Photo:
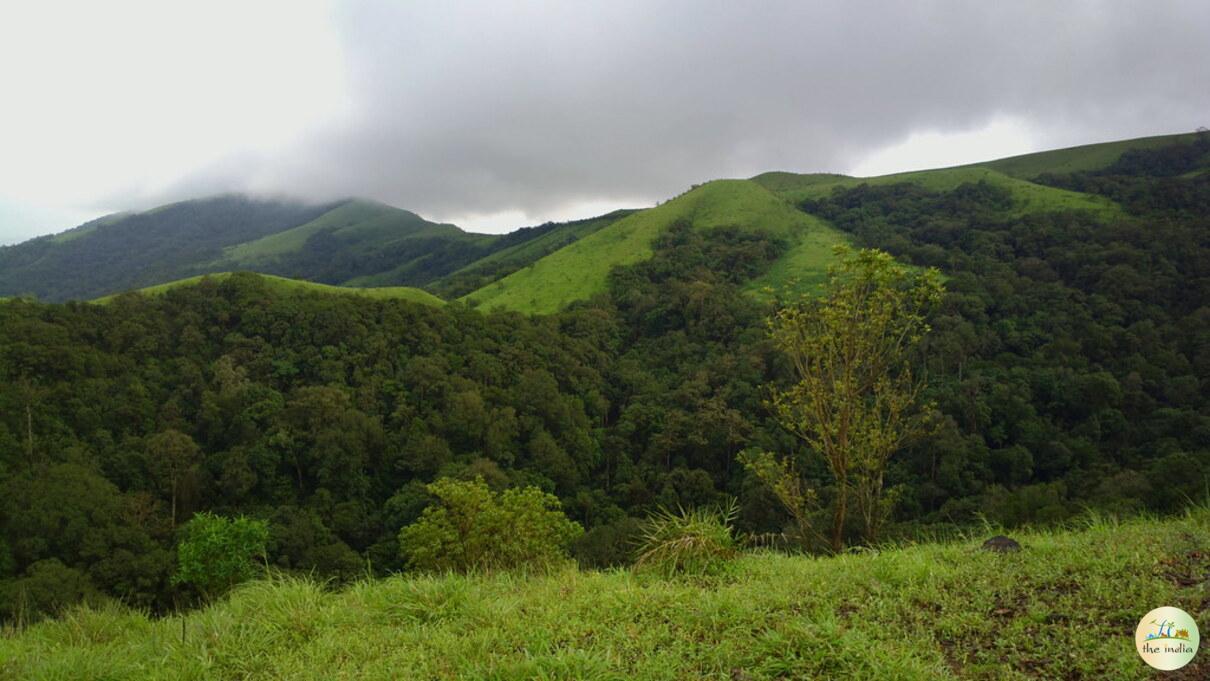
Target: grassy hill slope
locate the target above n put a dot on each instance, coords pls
(1027, 196)
(1085, 157)
(580, 270)
(287, 286)
(1066, 606)
(518, 249)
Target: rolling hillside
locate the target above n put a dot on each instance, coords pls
(768, 202)
(286, 286)
(362, 243)
(581, 269)
(126, 251)
(550, 238)
(1028, 197)
(1086, 157)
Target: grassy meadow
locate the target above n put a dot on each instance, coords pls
(284, 285)
(581, 269)
(1066, 607)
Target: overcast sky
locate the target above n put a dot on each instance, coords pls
(494, 115)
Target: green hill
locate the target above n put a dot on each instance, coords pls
(505, 261)
(580, 270)
(1066, 606)
(134, 250)
(287, 286)
(353, 242)
(1086, 157)
(1028, 197)
(362, 243)
(363, 221)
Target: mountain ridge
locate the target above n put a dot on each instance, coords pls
(358, 242)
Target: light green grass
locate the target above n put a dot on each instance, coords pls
(804, 267)
(537, 247)
(1064, 607)
(358, 220)
(284, 285)
(1086, 157)
(581, 269)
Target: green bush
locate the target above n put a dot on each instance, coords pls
(216, 553)
(473, 528)
(697, 541)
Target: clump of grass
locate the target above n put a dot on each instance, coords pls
(696, 541)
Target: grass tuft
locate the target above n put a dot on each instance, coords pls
(695, 542)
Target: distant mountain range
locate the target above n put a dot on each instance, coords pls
(362, 243)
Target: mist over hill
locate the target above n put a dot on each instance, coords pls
(358, 243)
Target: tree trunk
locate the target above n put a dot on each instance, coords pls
(29, 433)
(838, 517)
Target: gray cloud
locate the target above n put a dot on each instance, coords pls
(485, 107)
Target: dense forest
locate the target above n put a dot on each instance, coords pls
(1068, 362)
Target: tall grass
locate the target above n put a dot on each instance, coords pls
(1064, 607)
(695, 541)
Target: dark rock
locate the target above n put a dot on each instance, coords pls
(1001, 543)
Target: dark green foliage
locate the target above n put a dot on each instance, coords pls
(216, 553)
(1069, 357)
(47, 588)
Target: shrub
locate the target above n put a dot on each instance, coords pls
(608, 545)
(697, 541)
(216, 553)
(473, 528)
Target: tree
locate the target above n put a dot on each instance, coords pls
(172, 456)
(856, 399)
(216, 553)
(473, 528)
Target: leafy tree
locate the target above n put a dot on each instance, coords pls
(472, 528)
(216, 553)
(855, 399)
(172, 457)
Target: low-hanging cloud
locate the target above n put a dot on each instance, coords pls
(457, 108)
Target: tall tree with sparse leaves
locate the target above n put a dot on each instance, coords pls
(856, 400)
